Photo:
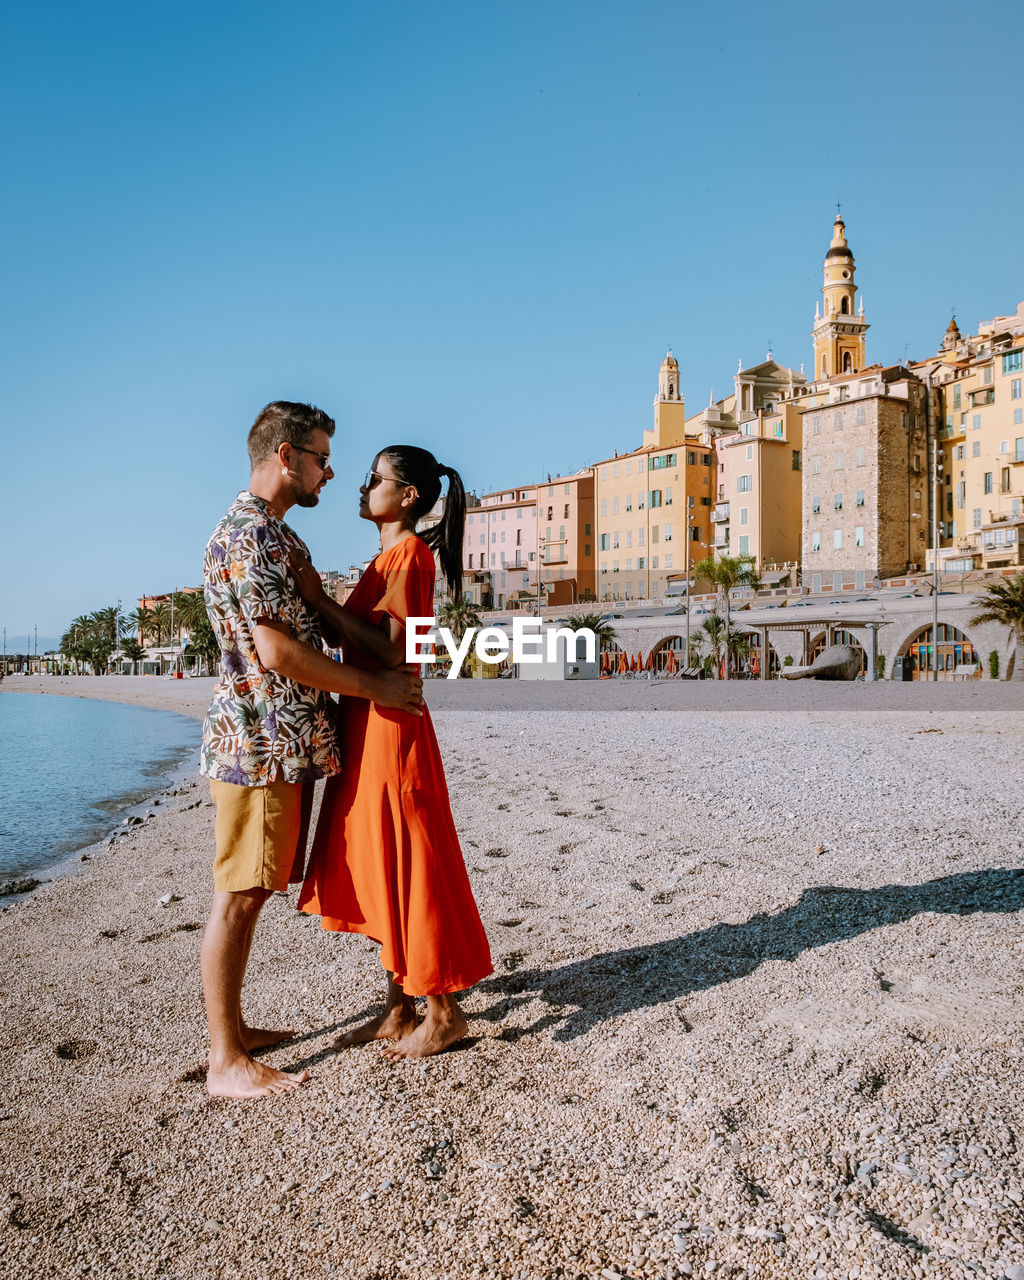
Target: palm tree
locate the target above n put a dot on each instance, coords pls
(140, 623)
(134, 652)
(601, 628)
(161, 621)
(1003, 603)
(458, 616)
(726, 573)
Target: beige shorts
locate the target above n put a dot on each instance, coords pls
(260, 835)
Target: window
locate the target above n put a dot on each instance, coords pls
(615, 472)
(960, 452)
(1018, 449)
(744, 544)
(615, 541)
(750, 451)
(641, 464)
(860, 456)
(565, 513)
(604, 473)
(816, 465)
(838, 463)
(1015, 389)
(667, 533)
(629, 565)
(975, 448)
(861, 416)
(987, 488)
(503, 535)
(629, 468)
(654, 562)
(1004, 446)
(629, 502)
(837, 502)
(858, 536)
(837, 417)
(796, 459)
(860, 497)
(654, 533)
(668, 562)
(815, 505)
(641, 562)
(586, 549)
(816, 426)
(615, 506)
(956, 396)
(655, 498)
(743, 484)
(976, 422)
(976, 518)
(816, 541)
(615, 566)
(668, 496)
(641, 537)
(629, 537)
(494, 537)
(567, 490)
(695, 534)
(961, 495)
(666, 460)
(744, 515)
(1004, 480)
(1018, 417)
(604, 506)
(1012, 361)
(837, 538)
(586, 530)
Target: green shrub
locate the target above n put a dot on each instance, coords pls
(993, 665)
(880, 667)
(787, 661)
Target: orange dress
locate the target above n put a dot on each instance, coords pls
(386, 859)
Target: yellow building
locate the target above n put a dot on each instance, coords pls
(981, 377)
(757, 509)
(653, 500)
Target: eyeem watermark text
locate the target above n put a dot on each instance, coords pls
(530, 642)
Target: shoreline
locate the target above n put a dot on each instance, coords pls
(756, 1003)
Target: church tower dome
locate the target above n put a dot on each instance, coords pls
(839, 330)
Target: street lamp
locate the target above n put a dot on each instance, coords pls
(936, 470)
(542, 545)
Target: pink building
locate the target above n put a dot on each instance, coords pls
(501, 541)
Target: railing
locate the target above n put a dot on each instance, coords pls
(720, 513)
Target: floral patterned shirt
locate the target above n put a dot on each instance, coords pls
(261, 726)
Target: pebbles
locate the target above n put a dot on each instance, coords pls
(712, 1085)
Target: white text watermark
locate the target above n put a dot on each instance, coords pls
(530, 641)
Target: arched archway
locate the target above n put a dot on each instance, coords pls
(955, 650)
(676, 645)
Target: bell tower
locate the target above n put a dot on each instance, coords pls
(669, 406)
(838, 333)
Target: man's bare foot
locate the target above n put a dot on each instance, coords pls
(262, 1037)
(434, 1034)
(393, 1024)
(244, 1078)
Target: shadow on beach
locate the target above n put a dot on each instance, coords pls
(587, 992)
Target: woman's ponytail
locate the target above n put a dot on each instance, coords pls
(415, 466)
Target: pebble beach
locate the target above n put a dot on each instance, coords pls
(757, 1011)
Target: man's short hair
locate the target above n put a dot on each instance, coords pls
(284, 420)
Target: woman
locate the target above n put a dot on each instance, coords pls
(386, 859)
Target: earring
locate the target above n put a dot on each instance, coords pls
(284, 471)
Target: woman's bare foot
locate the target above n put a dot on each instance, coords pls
(393, 1024)
(244, 1078)
(439, 1030)
(262, 1037)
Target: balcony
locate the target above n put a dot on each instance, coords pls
(720, 513)
(721, 539)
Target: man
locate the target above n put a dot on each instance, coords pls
(269, 733)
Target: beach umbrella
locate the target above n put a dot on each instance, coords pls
(670, 665)
(649, 664)
(755, 665)
(639, 661)
(623, 667)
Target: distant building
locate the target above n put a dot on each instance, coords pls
(981, 431)
(651, 500)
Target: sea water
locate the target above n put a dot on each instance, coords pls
(67, 765)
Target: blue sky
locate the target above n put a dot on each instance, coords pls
(472, 227)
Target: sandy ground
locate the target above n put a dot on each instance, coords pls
(756, 1012)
